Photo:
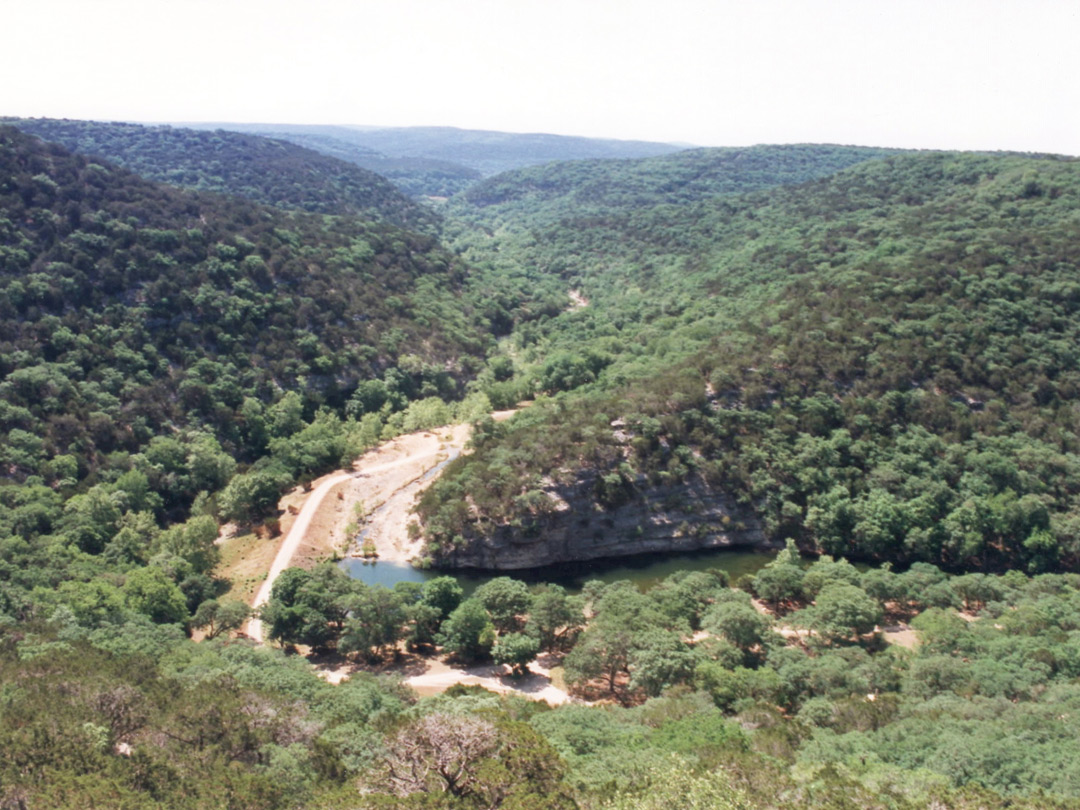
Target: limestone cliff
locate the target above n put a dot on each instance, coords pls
(683, 517)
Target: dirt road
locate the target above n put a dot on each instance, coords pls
(288, 548)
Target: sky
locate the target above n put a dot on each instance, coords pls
(941, 74)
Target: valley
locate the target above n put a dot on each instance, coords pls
(307, 475)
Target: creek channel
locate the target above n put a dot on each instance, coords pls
(644, 570)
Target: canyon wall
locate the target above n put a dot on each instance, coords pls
(683, 517)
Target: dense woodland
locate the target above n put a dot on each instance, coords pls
(881, 362)
(873, 350)
(544, 194)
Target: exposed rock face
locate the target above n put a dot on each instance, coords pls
(685, 517)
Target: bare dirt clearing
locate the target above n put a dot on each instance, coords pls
(536, 685)
(577, 300)
(900, 634)
(432, 676)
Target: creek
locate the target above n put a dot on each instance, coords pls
(644, 570)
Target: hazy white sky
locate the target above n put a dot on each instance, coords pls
(963, 74)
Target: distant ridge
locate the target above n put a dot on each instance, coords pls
(264, 170)
(441, 161)
(691, 175)
(486, 151)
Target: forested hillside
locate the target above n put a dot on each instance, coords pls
(553, 222)
(880, 363)
(261, 169)
(543, 194)
(145, 329)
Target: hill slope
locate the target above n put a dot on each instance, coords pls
(591, 187)
(556, 227)
(131, 309)
(878, 364)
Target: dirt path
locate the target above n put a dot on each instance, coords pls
(288, 548)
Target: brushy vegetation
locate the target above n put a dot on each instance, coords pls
(716, 703)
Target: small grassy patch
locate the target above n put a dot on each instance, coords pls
(557, 680)
(245, 559)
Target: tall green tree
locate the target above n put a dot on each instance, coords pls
(468, 631)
